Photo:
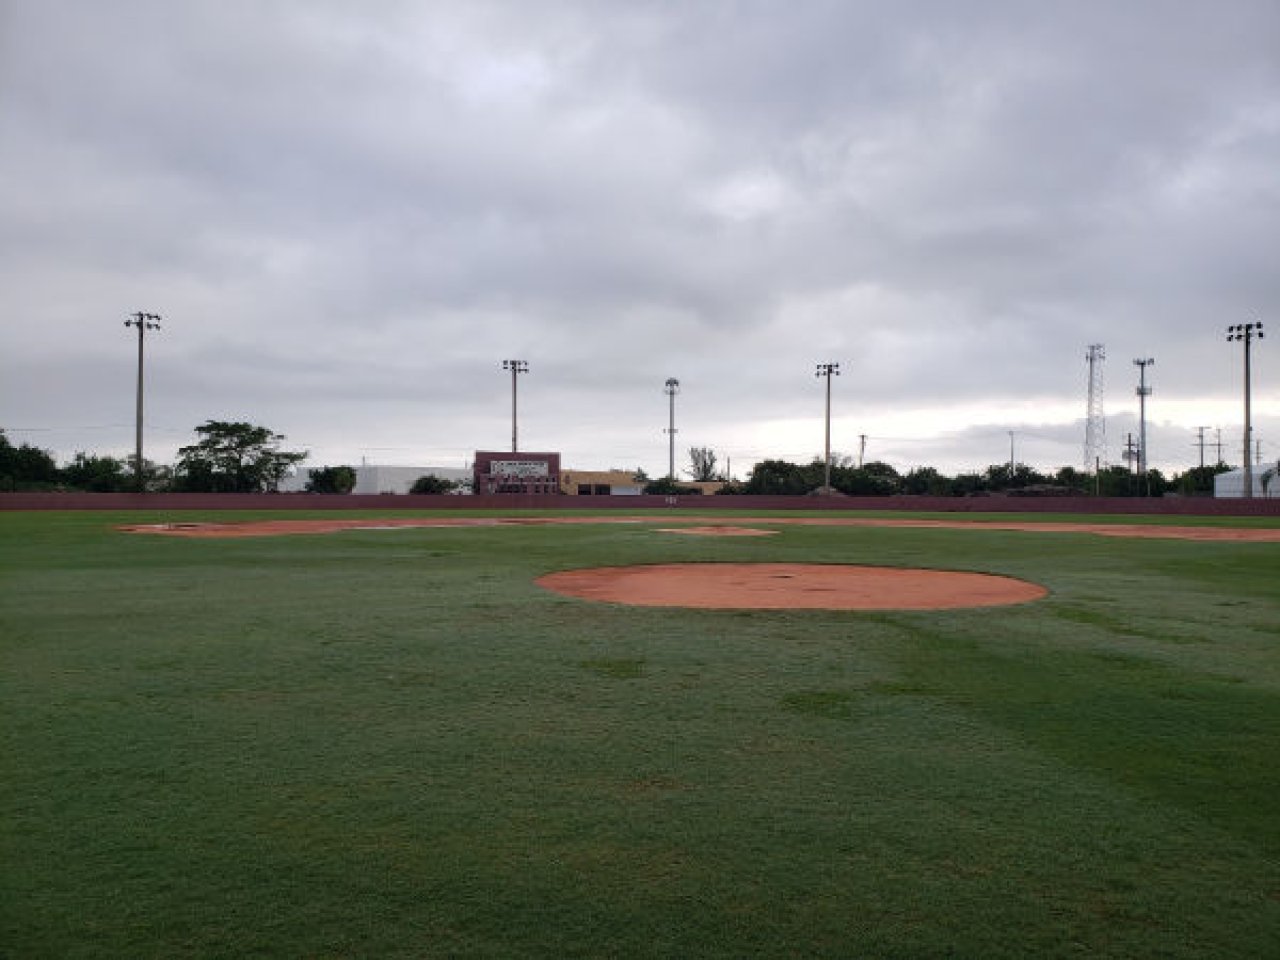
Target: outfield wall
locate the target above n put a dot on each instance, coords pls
(1168, 506)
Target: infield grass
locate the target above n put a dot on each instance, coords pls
(392, 743)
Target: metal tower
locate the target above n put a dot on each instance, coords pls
(1095, 424)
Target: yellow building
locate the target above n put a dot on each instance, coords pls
(705, 487)
(620, 483)
(583, 483)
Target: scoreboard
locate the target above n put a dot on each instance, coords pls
(509, 472)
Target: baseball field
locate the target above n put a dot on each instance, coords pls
(399, 740)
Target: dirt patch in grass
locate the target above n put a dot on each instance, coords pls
(718, 531)
(790, 586)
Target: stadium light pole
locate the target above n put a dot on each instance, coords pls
(672, 388)
(516, 367)
(144, 322)
(1143, 392)
(827, 370)
(1245, 333)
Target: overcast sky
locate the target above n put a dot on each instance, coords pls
(348, 214)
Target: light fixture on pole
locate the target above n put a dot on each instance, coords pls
(827, 370)
(672, 388)
(1143, 392)
(1246, 333)
(144, 322)
(516, 367)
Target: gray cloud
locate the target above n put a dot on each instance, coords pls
(348, 218)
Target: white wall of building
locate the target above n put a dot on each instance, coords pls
(1231, 483)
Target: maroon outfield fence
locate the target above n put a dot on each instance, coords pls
(1163, 506)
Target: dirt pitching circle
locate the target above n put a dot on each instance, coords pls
(790, 586)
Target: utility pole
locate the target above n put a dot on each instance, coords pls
(1143, 392)
(1218, 444)
(862, 449)
(1130, 452)
(672, 388)
(516, 367)
(1012, 461)
(1245, 333)
(827, 370)
(1200, 443)
(144, 322)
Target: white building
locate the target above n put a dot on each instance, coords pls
(372, 479)
(1266, 482)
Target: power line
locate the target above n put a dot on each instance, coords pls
(97, 426)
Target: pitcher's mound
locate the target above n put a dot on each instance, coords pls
(790, 586)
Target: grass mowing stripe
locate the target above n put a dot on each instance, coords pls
(397, 745)
(1205, 744)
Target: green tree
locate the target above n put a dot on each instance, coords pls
(1000, 477)
(331, 480)
(97, 474)
(1073, 479)
(234, 458)
(156, 477)
(1155, 485)
(702, 464)
(26, 467)
(926, 481)
(1198, 481)
(967, 484)
(433, 484)
(1117, 481)
(666, 487)
(780, 477)
(874, 479)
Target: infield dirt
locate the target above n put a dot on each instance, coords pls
(703, 525)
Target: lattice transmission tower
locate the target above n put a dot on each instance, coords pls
(1095, 424)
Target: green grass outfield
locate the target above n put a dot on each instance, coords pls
(392, 743)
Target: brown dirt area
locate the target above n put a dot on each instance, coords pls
(714, 531)
(751, 586)
(790, 586)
